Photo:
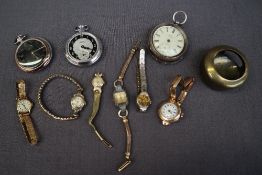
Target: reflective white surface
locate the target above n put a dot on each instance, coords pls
(24, 105)
(168, 41)
(169, 111)
(82, 47)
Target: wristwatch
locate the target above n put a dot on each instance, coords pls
(24, 106)
(97, 82)
(170, 110)
(143, 99)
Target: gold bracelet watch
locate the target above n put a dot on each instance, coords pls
(170, 110)
(97, 83)
(120, 98)
(24, 106)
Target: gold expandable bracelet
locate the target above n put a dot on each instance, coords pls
(77, 101)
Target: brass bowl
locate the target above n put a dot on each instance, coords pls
(222, 69)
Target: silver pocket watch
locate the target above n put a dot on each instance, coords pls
(168, 41)
(83, 48)
(33, 53)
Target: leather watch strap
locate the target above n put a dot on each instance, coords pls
(28, 128)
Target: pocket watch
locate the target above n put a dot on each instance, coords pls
(170, 110)
(168, 41)
(83, 48)
(32, 54)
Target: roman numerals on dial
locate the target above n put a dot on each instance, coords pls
(168, 41)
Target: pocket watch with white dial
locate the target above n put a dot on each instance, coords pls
(168, 41)
(83, 48)
(170, 110)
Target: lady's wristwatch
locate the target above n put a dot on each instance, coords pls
(24, 106)
(143, 99)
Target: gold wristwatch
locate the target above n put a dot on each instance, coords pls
(120, 98)
(143, 99)
(24, 107)
(170, 110)
(97, 83)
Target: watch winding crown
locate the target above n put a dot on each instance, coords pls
(81, 28)
(19, 39)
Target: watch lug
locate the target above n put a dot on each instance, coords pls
(165, 123)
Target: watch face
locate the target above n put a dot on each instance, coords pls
(78, 102)
(82, 47)
(168, 40)
(31, 53)
(143, 101)
(24, 106)
(169, 111)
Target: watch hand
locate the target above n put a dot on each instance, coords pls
(37, 50)
(85, 47)
(24, 106)
(34, 54)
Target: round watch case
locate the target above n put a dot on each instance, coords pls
(81, 32)
(24, 106)
(29, 60)
(169, 120)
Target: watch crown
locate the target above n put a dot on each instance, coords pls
(81, 28)
(19, 39)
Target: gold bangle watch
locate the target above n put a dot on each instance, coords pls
(24, 106)
(170, 110)
(97, 83)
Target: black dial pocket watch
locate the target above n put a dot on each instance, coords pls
(168, 41)
(83, 48)
(32, 54)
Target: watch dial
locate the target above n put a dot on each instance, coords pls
(31, 53)
(77, 102)
(82, 47)
(169, 111)
(168, 41)
(24, 105)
